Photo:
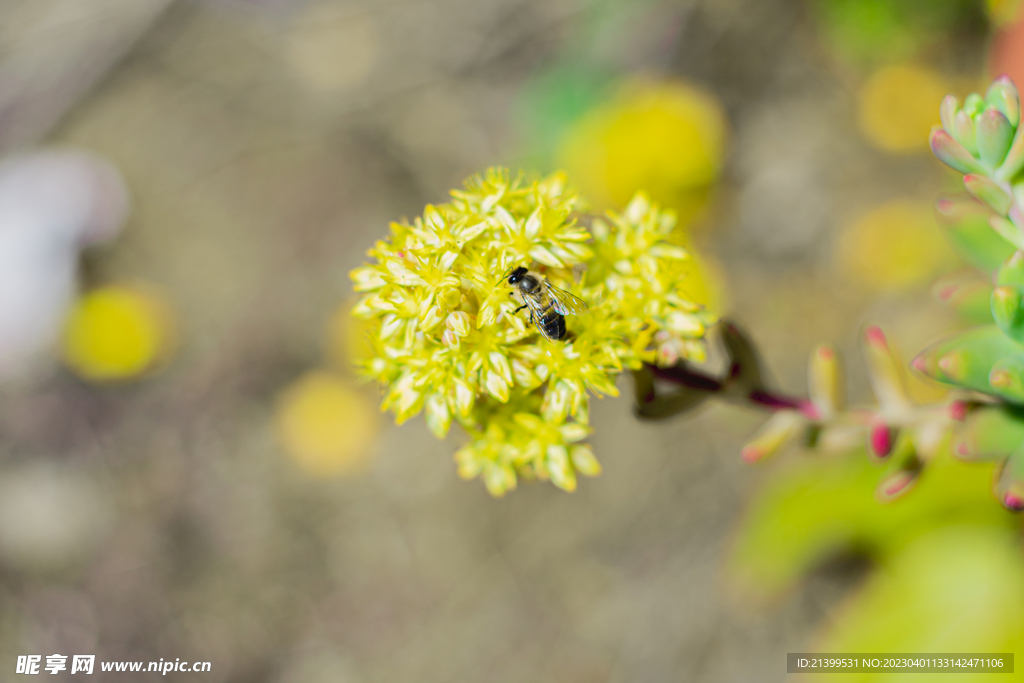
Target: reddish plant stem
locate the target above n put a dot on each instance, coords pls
(690, 378)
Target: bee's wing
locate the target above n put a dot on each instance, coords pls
(564, 302)
(534, 302)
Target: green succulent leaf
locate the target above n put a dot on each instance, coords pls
(1002, 95)
(987, 192)
(952, 153)
(1007, 230)
(1014, 160)
(974, 104)
(967, 359)
(988, 433)
(967, 230)
(1008, 312)
(1010, 483)
(1008, 297)
(993, 137)
(968, 293)
(964, 131)
(901, 472)
(947, 110)
(1007, 378)
(1011, 272)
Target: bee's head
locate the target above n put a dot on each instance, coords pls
(516, 275)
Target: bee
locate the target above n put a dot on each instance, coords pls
(548, 304)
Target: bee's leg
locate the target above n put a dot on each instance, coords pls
(521, 308)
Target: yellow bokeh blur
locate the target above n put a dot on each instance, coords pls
(667, 138)
(348, 337)
(1003, 12)
(326, 425)
(705, 282)
(117, 333)
(894, 246)
(898, 105)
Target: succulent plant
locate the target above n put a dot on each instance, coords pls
(982, 139)
(897, 432)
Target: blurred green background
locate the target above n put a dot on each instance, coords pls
(192, 471)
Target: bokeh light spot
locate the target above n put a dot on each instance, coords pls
(897, 109)
(116, 333)
(325, 424)
(894, 246)
(665, 137)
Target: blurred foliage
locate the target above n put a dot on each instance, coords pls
(891, 247)
(1003, 12)
(814, 509)
(118, 332)
(959, 588)
(866, 32)
(904, 431)
(555, 98)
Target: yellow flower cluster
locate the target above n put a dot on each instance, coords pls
(445, 339)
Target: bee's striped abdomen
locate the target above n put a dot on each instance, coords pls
(552, 323)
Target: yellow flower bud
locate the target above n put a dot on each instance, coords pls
(499, 479)
(432, 319)
(499, 364)
(439, 418)
(776, 432)
(555, 407)
(450, 339)
(497, 386)
(458, 322)
(825, 380)
(464, 396)
(684, 324)
(584, 461)
(560, 469)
